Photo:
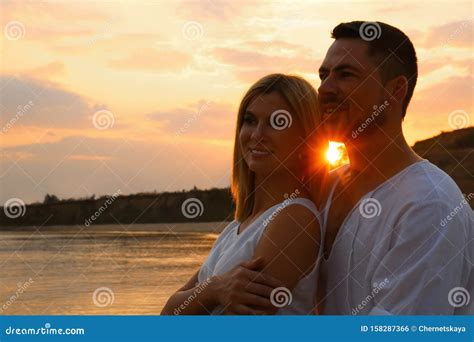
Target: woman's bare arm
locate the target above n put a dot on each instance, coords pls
(192, 299)
(290, 246)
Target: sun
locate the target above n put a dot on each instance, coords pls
(336, 154)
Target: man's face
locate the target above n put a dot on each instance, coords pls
(350, 88)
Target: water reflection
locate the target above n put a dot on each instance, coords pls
(141, 265)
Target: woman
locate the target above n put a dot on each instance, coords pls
(277, 164)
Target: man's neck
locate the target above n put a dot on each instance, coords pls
(380, 156)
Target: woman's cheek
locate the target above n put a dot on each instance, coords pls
(243, 137)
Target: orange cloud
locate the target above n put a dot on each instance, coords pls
(252, 65)
(87, 157)
(256, 60)
(444, 97)
(79, 166)
(433, 64)
(200, 120)
(213, 9)
(153, 60)
(456, 33)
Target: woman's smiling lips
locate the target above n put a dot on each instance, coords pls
(259, 152)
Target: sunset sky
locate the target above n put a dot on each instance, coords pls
(137, 96)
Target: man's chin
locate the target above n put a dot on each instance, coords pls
(336, 135)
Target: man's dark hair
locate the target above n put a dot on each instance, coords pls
(390, 48)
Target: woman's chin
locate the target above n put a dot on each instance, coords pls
(260, 169)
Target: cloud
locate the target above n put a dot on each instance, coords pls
(221, 10)
(203, 119)
(87, 157)
(80, 166)
(432, 64)
(279, 46)
(49, 22)
(62, 11)
(29, 101)
(444, 97)
(251, 65)
(398, 8)
(48, 71)
(153, 60)
(455, 33)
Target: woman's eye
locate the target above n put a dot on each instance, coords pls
(248, 119)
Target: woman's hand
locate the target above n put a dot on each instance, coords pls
(245, 290)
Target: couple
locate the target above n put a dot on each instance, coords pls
(389, 234)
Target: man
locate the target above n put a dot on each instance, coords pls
(399, 233)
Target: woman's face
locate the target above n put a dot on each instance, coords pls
(270, 136)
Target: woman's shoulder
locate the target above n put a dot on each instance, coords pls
(225, 232)
(295, 215)
(229, 227)
(302, 209)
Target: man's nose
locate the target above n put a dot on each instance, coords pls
(328, 86)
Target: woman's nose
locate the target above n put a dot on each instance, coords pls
(258, 132)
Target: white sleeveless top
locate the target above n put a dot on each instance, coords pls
(230, 249)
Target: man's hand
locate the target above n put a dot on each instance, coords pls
(246, 290)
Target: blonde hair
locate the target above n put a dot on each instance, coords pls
(302, 98)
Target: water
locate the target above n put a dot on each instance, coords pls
(131, 269)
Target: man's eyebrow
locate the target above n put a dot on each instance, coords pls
(340, 67)
(323, 69)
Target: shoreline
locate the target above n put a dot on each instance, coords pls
(191, 227)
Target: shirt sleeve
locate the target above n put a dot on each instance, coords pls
(426, 260)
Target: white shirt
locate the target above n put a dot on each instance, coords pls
(230, 249)
(405, 249)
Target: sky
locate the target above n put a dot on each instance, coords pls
(141, 96)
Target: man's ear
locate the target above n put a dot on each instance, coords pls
(397, 88)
